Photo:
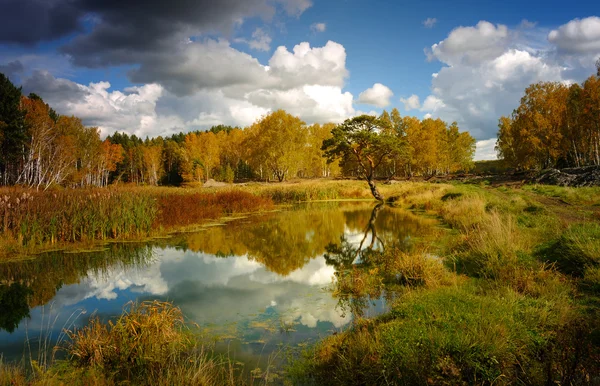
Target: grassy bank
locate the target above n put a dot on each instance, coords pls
(510, 298)
(31, 221)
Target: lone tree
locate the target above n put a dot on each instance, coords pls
(361, 142)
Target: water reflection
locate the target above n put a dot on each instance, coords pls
(13, 303)
(357, 258)
(250, 279)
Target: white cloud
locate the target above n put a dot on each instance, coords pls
(318, 27)
(231, 87)
(579, 36)
(411, 103)
(379, 95)
(487, 68)
(305, 65)
(527, 24)
(485, 150)
(471, 45)
(430, 22)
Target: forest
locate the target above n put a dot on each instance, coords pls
(555, 125)
(41, 148)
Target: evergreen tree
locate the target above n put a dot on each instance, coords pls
(13, 133)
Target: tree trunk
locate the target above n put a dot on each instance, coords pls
(374, 190)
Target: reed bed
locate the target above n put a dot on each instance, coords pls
(31, 219)
(188, 209)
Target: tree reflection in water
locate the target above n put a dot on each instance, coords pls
(13, 304)
(364, 268)
(31, 283)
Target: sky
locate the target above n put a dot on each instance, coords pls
(155, 67)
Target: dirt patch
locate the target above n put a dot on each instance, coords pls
(214, 184)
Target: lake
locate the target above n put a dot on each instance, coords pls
(256, 285)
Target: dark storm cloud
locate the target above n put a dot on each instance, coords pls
(53, 90)
(11, 69)
(152, 35)
(140, 27)
(123, 29)
(31, 21)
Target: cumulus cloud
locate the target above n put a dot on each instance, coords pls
(120, 31)
(471, 45)
(232, 88)
(477, 95)
(579, 36)
(485, 150)
(30, 21)
(318, 27)
(379, 95)
(201, 65)
(411, 103)
(430, 22)
(305, 65)
(11, 69)
(56, 90)
(487, 68)
(527, 24)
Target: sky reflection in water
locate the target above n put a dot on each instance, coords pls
(260, 281)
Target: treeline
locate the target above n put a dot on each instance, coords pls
(556, 125)
(41, 148)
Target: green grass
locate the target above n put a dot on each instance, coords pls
(451, 335)
(510, 315)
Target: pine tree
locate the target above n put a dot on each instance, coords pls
(13, 133)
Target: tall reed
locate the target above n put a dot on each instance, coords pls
(30, 218)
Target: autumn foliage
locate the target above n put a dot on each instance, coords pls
(42, 149)
(556, 125)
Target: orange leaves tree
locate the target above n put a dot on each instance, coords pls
(555, 125)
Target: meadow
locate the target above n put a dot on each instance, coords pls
(509, 293)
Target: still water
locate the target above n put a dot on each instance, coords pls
(254, 284)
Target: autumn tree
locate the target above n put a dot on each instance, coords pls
(314, 164)
(361, 140)
(202, 154)
(458, 150)
(153, 165)
(277, 142)
(554, 126)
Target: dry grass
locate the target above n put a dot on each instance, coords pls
(31, 220)
(148, 344)
(176, 210)
(146, 337)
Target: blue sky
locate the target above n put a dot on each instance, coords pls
(156, 68)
